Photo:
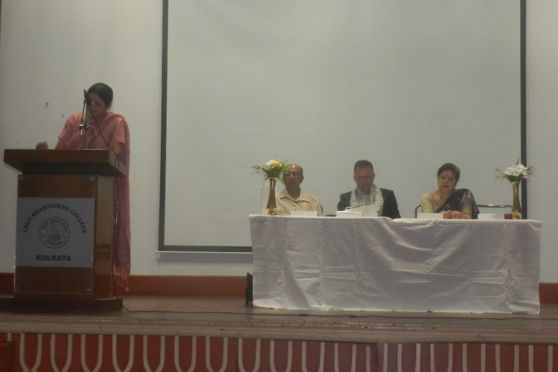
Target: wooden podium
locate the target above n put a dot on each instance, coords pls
(65, 223)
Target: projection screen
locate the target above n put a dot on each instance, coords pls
(408, 85)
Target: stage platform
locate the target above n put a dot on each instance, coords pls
(222, 333)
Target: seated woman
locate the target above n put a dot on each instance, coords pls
(447, 200)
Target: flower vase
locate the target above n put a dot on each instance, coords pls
(271, 203)
(516, 204)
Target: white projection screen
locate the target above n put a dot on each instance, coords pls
(408, 85)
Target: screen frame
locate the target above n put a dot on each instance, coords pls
(162, 247)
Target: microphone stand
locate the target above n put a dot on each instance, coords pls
(84, 125)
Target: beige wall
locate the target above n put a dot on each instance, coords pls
(542, 124)
(36, 95)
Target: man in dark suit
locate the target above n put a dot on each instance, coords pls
(366, 196)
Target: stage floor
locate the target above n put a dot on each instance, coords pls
(230, 317)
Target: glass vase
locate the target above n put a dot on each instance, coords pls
(516, 204)
(271, 206)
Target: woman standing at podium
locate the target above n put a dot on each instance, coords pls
(98, 128)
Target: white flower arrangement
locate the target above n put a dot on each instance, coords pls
(516, 172)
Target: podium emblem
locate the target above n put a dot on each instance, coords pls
(54, 232)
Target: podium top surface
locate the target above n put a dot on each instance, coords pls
(101, 162)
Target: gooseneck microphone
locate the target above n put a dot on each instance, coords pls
(84, 125)
(86, 98)
(90, 121)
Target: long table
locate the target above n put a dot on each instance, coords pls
(379, 264)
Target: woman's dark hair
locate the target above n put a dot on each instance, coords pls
(452, 168)
(103, 91)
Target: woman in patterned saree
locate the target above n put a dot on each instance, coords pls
(451, 202)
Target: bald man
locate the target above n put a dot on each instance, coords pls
(292, 198)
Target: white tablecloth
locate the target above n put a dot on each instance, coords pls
(404, 265)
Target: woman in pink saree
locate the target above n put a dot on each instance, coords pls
(106, 129)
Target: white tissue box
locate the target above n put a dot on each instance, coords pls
(348, 213)
(490, 216)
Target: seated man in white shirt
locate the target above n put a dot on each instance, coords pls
(292, 198)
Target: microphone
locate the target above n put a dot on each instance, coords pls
(83, 128)
(86, 99)
(84, 125)
(86, 115)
